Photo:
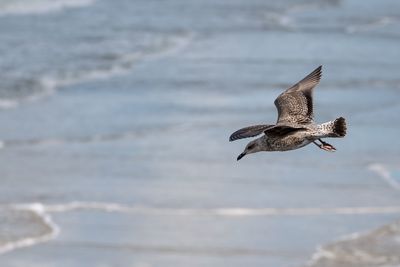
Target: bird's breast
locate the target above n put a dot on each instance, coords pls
(288, 142)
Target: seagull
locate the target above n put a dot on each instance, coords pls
(295, 127)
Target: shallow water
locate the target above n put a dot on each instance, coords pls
(115, 119)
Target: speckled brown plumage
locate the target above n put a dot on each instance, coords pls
(295, 126)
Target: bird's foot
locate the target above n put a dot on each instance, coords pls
(328, 147)
(325, 146)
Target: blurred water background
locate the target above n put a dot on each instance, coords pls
(115, 117)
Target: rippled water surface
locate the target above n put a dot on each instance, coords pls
(115, 121)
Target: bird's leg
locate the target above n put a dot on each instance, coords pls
(318, 145)
(325, 146)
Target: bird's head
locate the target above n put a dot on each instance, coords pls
(252, 147)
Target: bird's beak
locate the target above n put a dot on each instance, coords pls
(241, 156)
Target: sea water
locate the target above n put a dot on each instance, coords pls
(115, 118)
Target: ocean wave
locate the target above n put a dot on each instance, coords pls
(142, 131)
(384, 173)
(225, 212)
(44, 211)
(47, 85)
(69, 140)
(122, 64)
(278, 20)
(228, 212)
(379, 247)
(8, 103)
(182, 249)
(372, 25)
(13, 90)
(119, 64)
(24, 7)
(45, 219)
(284, 19)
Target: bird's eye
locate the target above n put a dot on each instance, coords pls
(250, 147)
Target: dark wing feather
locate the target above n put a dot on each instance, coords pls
(281, 130)
(295, 105)
(250, 131)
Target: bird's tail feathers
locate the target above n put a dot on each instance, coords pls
(335, 128)
(339, 127)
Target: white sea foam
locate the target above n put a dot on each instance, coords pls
(361, 249)
(74, 140)
(120, 66)
(44, 212)
(280, 20)
(228, 212)
(384, 173)
(24, 7)
(48, 87)
(374, 24)
(321, 253)
(8, 103)
(172, 45)
(39, 210)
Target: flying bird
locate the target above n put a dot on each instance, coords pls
(295, 127)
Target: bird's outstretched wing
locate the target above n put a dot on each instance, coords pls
(295, 105)
(282, 130)
(250, 131)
